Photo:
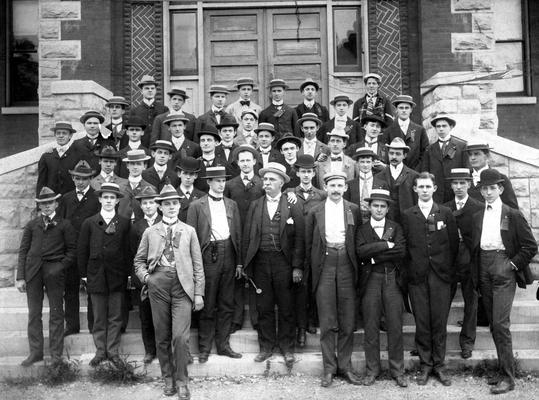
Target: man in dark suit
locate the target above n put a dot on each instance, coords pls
(209, 139)
(331, 259)
(108, 160)
(289, 147)
(266, 134)
(227, 131)
(54, 165)
(187, 170)
(161, 173)
(341, 105)
(360, 188)
(373, 139)
(398, 179)
(183, 147)
(309, 89)
(135, 130)
(414, 135)
(309, 124)
(273, 254)
(373, 102)
(283, 117)
(105, 263)
(502, 247)
(442, 156)
(76, 206)
(380, 247)
(47, 250)
(216, 221)
(432, 239)
(117, 105)
(211, 118)
(160, 130)
(463, 208)
(149, 108)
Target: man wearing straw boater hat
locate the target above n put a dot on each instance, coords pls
(373, 102)
(282, 116)
(341, 104)
(265, 135)
(212, 117)
(160, 130)
(309, 124)
(337, 160)
(169, 263)
(216, 220)
(245, 88)
(117, 106)
(47, 250)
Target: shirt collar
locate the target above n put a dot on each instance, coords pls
(365, 176)
(169, 221)
(150, 219)
(215, 109)
(374, 223)
(174, 112)
(332, 204)
(397, 169)
(85, 190)
(135, 145)
(273, 199)
(160, 168)
(250, 175)
(446, 139)
(105, 176)
(135, 180)
(50, 216)
(496, 205)
(464, 200)
(425, 204)
(277, 103)
(148, 102)
(478, 172)
(107, 215)
(308, 103)
(117, 121)
(309, 141)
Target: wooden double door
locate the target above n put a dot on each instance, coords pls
(266, 43)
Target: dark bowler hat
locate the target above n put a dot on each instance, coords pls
(459, 174)
(305, 161)
(329, 176)
(209, 130)
(338, 133)
(403, 98)
(310, 117)
(374, 118)
(147, 192)
(379, 194)
(134, 120)
(364, 152)
(175, 117)
(266, 126)
(117, 100)
(63, 125)
(136, 155)
(227, 120)
(278, 83)
(188, 164)
(109, 187)
(108, 152)
(249, 111)
(168, 193)
(288, 139)
(341, 97)
(309, 82)
(82, 169)
(216, 172)
(245, 82)
(372, 75)
(218, 89)
(178, 92)
(276, 168)
(478, 146)
(398, 144)
(450, 120)
(46, 194)
(147, 80)
(245, 147)
(92, 114)
(490, 176)
(163, 144)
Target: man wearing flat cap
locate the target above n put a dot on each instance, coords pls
(337, 160)
(341, 104)
(373, 102)
(309, 89)
(117, 106)
(245, 88)
(502, 247)
(330, 257)
(211, 118)
(414, 135)
(160, 130)
(273, 255)
(309, 125)
(283, 117)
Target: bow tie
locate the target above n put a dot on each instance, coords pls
(215, 198)
(265, 153)
(370, 144)
(79, 193)
(169, 223)
(378, 226)
(227, 147)
(245, 102)
(47, 220)
(425, 207)
(306, 190)
(220, 112)
(443, 140)
(336, 158)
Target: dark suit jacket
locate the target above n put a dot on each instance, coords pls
(219, 160)
(199, 217)
(187, 149)
(292, 233)
(464, 218)
(207, 120)
(186, 202)
(150, 175)
(351, 128)
(232, 167)
(274, 156)
(415, 137)
(135, 234)
(57, 243)
(285, 123)
(121, 168)
(160, 129)
(518, 240)
(85, 151)
(320, 147)
(405, 186)
(120, 138)
(370, 247)
(315, 239)
(382, 108)
(321, 112)
(148, 114)
(53, 171)
(292, 173)
(128, 204)
(243, 195)
(440, 165)
(104, 258)
(316, 196)
(77, 211)
(432, 243)
(508, 195)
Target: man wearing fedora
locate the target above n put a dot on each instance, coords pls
(47, 251)
(309, 89)
(117, 106)
(360, 188)
(76, 206)
(443, 155)
(183, 147)
(187, 170)
(160, 130)
(273, 255)
(265, 134)
(135, 131)
(169, 263)
(380, 247)
(373, 139)
(161, 173)
(246, 131)
(289, 146)
(149, 108)
(398, 179)
(331, 259)
(479, 156)
(245, 88)
(337, 160)
(212, 117)
(341, 104)
(309, 125)
(463, 208)
(283, 117)
(502, 247)
(103, 255)
(216, 220)
(108, 160)
(209, 139)
(373, 102)
(54, 165)
(414, 135)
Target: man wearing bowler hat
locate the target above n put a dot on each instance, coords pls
(54, 165)
(117, 106)
(216, 221)
(266, 134)
(135, 131)
(209, 139)
(414, 135)
(212, 117)
(503, 246)
(309, 89)
(283, 117)
(245, 88)
(337, 160)
(341, 104)
(161, 173)
(360, 188)
(227, 131)
(187, 170)
(309, 124)
(108, 160)
(273, 254)
(48, 248)
(289, 146)
(373, 102)
(160, 130)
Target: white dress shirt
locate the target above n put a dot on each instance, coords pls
(491, 238)
(177, 141)
(134, 181)
(219, 221)
(378, 226)
(404, 125)
(150, 220)
(396, 171)
(309, 146)
(107, 215)
(107, 177)
(308, 103)
(84, 192)
(148, 102)
(134, 145)
(425, 207)
(336, 165)
(272, 204)
(335, 228)
(160, 169)
(477, 174)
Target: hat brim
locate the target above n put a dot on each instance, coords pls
(141, 126)
(303, 85)
(48, 199)
(405, 148)
(216, 176)
(141, 84)
(473, 148)
(459, 178)
(288, 139)
(54, 129)
(159, 199)
(116, 192)
(367, 118)
(272, 131)
(284, 86)
(82, 174)
(359, 155)
(349, 101)
(164, 147)
(451, 121)
(264, 171)
(240, 149)
(232, 124)
(214, 134)
(396, 102)
(315, 120)
(369, 199)
(488, 183)
(185, 97)
(304, 166)
(126, 159)
(122, 103)
(84, 118)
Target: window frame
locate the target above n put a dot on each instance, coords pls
(358, 67)
(172, 71)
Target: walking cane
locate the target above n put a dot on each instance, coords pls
(257, 289)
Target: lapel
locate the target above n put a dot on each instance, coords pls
(229, 211)
(410, 133)
(388, 231)
(284, 208)
(505, 220)
(204, 202)
(478, 226)
(436, 151)
(321, 221)
(402, 177)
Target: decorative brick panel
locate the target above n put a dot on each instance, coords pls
(388, 46)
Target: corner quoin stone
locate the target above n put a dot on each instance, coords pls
(61, 10)
(60, 50)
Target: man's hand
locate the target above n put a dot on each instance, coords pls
(378, 164)
(199, 303)
(239, 271)
(297, 275)
(390, 244)
(20, 284)
(322, 157)
(291, 197)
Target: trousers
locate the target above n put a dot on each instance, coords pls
(107, 323)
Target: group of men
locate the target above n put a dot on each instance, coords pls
(325, 219)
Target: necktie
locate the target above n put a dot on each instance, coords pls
(370, 103)
(336, 158)
(188, 194)
(207, 163)
(370, 144)
(460, 204)
(245, 103)
(444, 146)
(227, 147)
(215, 198)
(47, 220)
(80, 195)
(169, 251)
(107, 178)
(265, 153)
(489, 207)
(364, 189)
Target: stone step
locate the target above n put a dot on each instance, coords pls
(15, 343)
(306, 363)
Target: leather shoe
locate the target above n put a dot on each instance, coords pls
(443, 378)
(228, 352)
(311, 330)
(116, 361)
(493, 380)
(401, 381)
(184, 393)
(350, 377)
(369, 380)
(263, 356)
(302, 337)
(423, 377)
(502, 387)
(327, 380)
(68, 332)
(203, 358)
(460, 323)
(148, 358)
(234, 328)
(289, 359)
(94, 362)
(32, 358)
(466, 354)
(170, 388)
(414, 353)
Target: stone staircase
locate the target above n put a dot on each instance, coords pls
(14, 343)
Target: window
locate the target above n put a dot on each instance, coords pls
(183, 43)
(347, 39)
(22, 68)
